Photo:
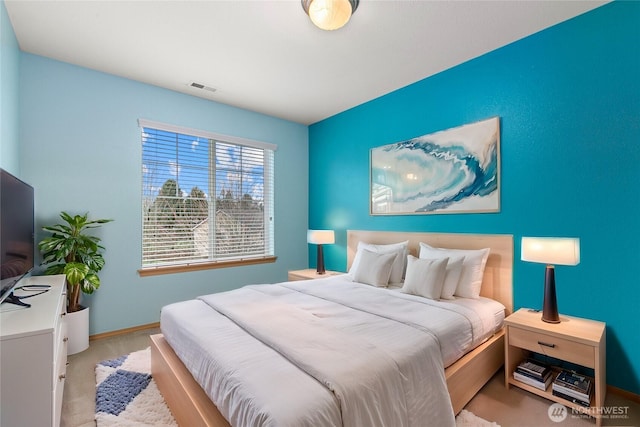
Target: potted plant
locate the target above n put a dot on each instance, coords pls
(77, 255)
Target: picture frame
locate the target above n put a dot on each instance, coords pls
(455, 170)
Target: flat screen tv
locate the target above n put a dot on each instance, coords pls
(17, 242)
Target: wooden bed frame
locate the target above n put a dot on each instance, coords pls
(192, 407)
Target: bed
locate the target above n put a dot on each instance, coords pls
(191, 405)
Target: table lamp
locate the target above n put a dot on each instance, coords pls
(550, 251)
(320, 237)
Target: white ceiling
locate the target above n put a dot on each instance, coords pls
(266, 56)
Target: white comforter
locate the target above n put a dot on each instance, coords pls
(321, 353)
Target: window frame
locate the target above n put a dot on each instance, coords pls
(192, 265)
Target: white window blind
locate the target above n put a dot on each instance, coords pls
(205, 197)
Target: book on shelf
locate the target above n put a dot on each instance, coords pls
(535, 377)
(534, 369)
(540, 384)
(570, 392)
(571, 398)
(573, 384)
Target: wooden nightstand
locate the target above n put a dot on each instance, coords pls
(574, 340)
(309, 273)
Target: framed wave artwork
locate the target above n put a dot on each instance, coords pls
(451, 171)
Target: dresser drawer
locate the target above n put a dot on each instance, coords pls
(60, 355)
(58, 390)
(553, 346)
(60, 331)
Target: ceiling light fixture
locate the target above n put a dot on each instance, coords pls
(330, 14)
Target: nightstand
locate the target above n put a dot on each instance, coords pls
(309, 273)
(575, 340)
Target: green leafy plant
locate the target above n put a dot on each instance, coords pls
(77, 255)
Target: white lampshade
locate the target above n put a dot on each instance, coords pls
(329, 14)
(551, 250)
(321, 237)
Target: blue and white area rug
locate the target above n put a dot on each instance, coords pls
(126, 395)
(469, 419)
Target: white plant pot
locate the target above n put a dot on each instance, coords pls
(78, 331)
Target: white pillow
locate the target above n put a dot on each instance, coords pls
(451, 277)
(374, 268)
(425, 277)
(397, 272)
(472, 267)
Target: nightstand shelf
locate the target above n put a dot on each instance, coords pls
(309, 273)
(574, 340)
(548, 393)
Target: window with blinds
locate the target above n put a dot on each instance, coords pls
(205, 198)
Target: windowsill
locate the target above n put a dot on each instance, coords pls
(171, 269)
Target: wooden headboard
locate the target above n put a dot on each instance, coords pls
(497, 282)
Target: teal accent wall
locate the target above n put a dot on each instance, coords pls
(81, 150)
(568, 99)
(9, 97)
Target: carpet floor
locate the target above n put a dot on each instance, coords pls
(127, 396)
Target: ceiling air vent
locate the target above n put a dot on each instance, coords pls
(202, 87)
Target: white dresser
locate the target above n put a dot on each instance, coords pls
(33, 356)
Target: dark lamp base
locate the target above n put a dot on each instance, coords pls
(320, 263)
(550, 304)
